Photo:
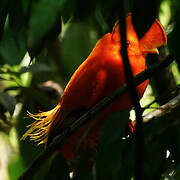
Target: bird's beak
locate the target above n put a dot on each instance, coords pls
(151, 51)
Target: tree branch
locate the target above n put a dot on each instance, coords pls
(59, 140)
(164, 110)
(170, 109)
(139, 162)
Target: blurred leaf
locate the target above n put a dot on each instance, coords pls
(78, 41)
(12, 88)
(9, 70)
(2, 79)
(28, 150)
(12, 47)
(26, 6)
(8, 102)
(153, 170)
(38, 100)
(35, 68)
(44, 24)
(115, 158)
(68, 10)
(54, 168)
(116, 161)
(15, 167)
(110, 11)
(58, 168)
(3, 14)
(177, 172)
(78, 9)
(16, 15)
(168, 177)
(114, 128)
(174, 36)
(82, 164)
(42, 170)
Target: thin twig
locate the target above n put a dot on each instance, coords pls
(60, 139)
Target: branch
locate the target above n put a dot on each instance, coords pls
(172, 108)
(173, 93)
(59, 140)
(164, 110)
(139, 166)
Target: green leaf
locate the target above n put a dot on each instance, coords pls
(168, 177)
(3, 15)
(114, 128)
(16, 166)
(12, 88)
(2, 79)
(77, 44)
(8, 102)
(28, 150)
(16, 16)
(26, 6)
(177, 172)
(44, 19)
(34, 68)
(115, 158)
(58, 169)
(68, 10)
(12, 47)
(174, 37)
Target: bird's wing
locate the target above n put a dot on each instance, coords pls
(84, 90)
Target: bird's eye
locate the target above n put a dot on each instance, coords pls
(127, 43)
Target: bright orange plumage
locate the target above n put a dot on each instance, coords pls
(97, 77)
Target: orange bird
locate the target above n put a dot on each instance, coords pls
(97, 77)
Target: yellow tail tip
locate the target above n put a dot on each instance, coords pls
(39, 129)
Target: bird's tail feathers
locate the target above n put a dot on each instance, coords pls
(39, 129)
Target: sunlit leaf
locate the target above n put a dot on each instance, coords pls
(2, 79)
(167, 177)
(16, 166)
